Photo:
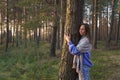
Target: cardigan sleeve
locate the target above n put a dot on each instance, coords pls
(72, 48)
(84, 45)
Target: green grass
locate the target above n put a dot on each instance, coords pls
(106, 65)
(34, 63)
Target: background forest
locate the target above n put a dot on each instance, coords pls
(32, 45)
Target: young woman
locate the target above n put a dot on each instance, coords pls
(81, 52)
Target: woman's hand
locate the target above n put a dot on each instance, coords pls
(67, 38)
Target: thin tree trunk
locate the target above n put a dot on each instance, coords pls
(46, 30)
(92, 27)
(62, 20)
(100, 25)
(1, 26)
(21, 33)
(35, 34)
(43, 31)
(17, 30)
(36, 27)
(58, 36)
(7, 26)
(55, 27)
(95, 24)
(13, 36)
(111, 25)
(107, 19)
(30, 36)
(25, 30)
(40, 33)
(118, 29)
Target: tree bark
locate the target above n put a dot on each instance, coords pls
(55, 27)
(58, 35)
(111, 25)
(62, 20)
(1, 27)
(17, 29)
(95, 24)
(25, 30)
(74, 16)
(118, 30)
(7, 26)
(107, 18)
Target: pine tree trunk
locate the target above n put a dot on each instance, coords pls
(13, 36)
(54, 35)
(111, 25)
(107, 18)
(74, 16)
(7, 26)
(62, 20)
(25, 30)
(58, 36)
(21, 33)
(118, 27)
(40, 33)
(92, 27)
(17, 30)
(100, 25)
(95, 24)
(1, 26)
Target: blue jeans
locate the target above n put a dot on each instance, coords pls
(86, 72)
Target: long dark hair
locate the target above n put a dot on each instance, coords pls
(87, 29)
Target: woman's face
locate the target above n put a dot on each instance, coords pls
(82, 30)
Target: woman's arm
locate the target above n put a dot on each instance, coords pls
(84, 45)
(72, 48)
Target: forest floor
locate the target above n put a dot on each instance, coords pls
(106, 65)
(34, 63)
